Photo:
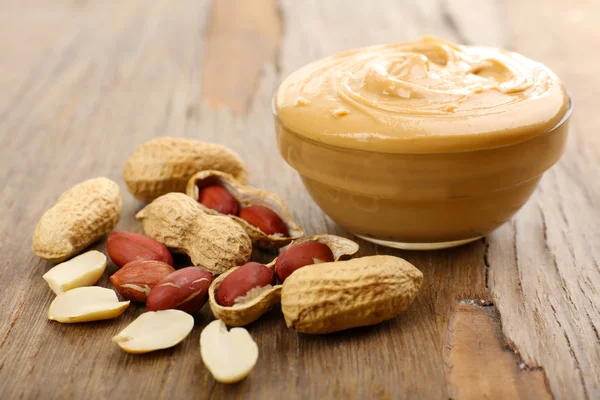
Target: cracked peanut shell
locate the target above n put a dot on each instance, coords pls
(213, 242)
(80, 216)
(246, 196)
(335, 296)
(165, 165)
(259, 302)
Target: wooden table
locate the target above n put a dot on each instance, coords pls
(83, 82)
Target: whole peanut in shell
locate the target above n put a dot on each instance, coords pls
(214, 242)
(301, 255)
(335, 296)
(238, 283)
(165, 164)
(185, 289)
(80, 216)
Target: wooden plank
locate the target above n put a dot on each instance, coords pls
(475, 345)
(95, 80)
(544, 267)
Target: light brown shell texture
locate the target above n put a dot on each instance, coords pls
(80, 216)
(364, 291)
(246, 196)
(165, 165)
(248, 312)
(213, 242)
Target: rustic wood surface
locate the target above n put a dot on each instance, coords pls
(83, 82)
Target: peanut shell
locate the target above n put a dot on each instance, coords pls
(80, 216)
(335, 296)
(213, 242)
(247, 196)
(165, 165)
(243, 313)
(249, 311)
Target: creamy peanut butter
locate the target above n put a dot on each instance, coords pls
(424, 144)
(427, 96)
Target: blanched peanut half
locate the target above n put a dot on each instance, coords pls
(84, 304)
(228, 355)
(83, 270)
(155, 330)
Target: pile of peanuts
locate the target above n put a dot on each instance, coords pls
(199, 206)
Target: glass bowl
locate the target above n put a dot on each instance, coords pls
(422, 201)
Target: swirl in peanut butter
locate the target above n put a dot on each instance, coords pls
(423, 96)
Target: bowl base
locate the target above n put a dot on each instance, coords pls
(419, 246)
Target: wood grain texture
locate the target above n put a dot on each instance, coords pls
(85, 82)
(243, 36)
(545, 265)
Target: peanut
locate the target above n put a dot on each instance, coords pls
(214, 242)
(219, 199)
(335, 296)
(165, 164)
(301, 255)
(84, 304)
(84, 270)
(185, 290)
(124, 247)
(228, 355)
(81, 216)
(264, 219)
(135, 280)
(155, 330)
(245, 196)
(243, 280)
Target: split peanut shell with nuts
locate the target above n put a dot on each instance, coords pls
(258, 300)
(165, 165)
(244, 284)
(80, 216)
(248, 196)
(255, 303)
(213, 242)
(335, 296)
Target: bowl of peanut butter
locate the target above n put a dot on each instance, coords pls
(424, 144)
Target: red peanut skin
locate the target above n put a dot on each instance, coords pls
(124, 247)
(219, 199)
(185, 290)
(240, 281)
(264, 219)
(301, 255)
(147, 272)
